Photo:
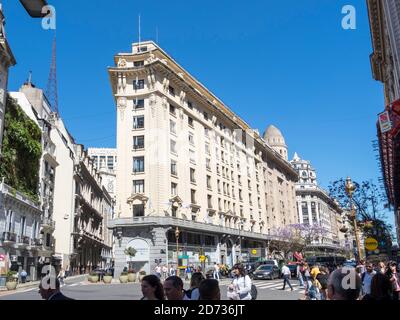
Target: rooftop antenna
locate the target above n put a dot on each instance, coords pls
(30, 77)
(139, 35)
(51, 92)
(157, 35)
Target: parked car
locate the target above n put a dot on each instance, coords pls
(293, 269)
(267, 271)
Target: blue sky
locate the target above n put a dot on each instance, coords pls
(287, 63)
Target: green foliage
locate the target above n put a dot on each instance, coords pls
(21, 151)
(142, 273)
(11, 276)
(130, 252)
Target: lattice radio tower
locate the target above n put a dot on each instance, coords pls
(52, 88)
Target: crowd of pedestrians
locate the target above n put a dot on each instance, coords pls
(371, 281)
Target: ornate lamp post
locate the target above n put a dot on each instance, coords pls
(177, 233)
(350, 188)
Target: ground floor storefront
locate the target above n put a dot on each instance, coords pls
(174, 242)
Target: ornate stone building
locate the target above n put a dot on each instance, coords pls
(316, 208)
(186, 161)
(7, 60)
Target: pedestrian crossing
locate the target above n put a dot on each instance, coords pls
(268, 285)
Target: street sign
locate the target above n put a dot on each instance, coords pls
(371, 244)
(254, 252)
(202, 258)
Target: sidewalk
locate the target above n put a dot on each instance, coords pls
(35, 284)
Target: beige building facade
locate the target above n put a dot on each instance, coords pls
(186, 161)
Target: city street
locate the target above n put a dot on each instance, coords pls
(83, 290)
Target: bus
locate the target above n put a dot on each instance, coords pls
(326, 260)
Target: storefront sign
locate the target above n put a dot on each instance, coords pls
(384, 122)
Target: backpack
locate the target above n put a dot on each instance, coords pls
(253, 292)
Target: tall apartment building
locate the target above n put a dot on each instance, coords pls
(7, 60)
(190, 171)
(315, 207)
(384, 18)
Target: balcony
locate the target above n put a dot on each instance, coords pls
(48, 224)
(9, 238)
(37, 242)
(24, 241)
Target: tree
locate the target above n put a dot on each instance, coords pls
(295, 237)
(370, 204)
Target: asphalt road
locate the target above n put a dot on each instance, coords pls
(83, 290)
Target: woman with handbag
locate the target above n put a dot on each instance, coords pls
(241, 285)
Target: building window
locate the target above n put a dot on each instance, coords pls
(205, 115)
(138, 142)
(138, 84)
(139, 104)
(172, 109)
(191, 139)
(138, 186)
(193, 196)
(207, 148)
(138, 210)
(190, 122)
(209, 182)
(138, 164)
(208, 164)
(209, 202)
(173, 147)
(110, 162)
(192, 175)
(219, 186)
(240, 195)
(138, 122)
(171, 91)
(172, 126)
(206, 132)
(22, 227)
(192, 156)
(190, 105)
(174, 170)
(174, 189)
(138, 63)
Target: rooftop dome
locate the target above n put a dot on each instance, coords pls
(274, 136)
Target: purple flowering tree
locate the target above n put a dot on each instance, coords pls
(295, 237)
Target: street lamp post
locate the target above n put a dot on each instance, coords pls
(350, 188)
(177, 232)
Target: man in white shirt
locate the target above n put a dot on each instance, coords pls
(158, 271)
(286, 276)
(216, 271)
(366, 278)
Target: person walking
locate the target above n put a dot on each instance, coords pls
(193, 293)
(299, 270)
(209, 290)
(336, 290)
(381, 288)
(61, 276)
(173, 288)
(366, 278)
(286, 276)
(394, 278)
(152, 288)
(216, 271)
(322, 278)
(158, 271)
(164, 272)
(381, 267)
(23, 275)
(242, 283)
(171, 271)
(188, 273)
